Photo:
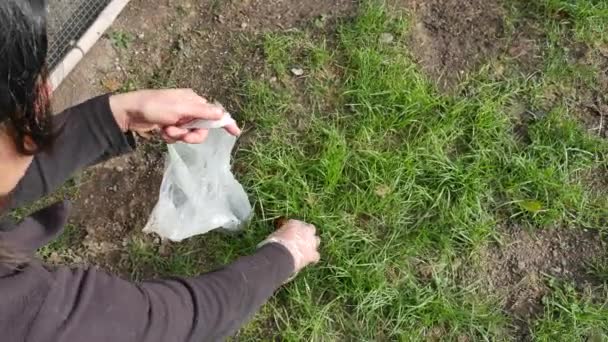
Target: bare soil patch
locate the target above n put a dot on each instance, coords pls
(114, 203)
(593, 101)
(518, 267)
(451, 37)
(273, 15)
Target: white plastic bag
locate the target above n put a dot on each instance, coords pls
(199, 192)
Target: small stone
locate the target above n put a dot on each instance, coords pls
(141, 35)
(521, 265)
(297, 71)
(244, 25)
(386, 38)
(119, 169)
(273, 79)
(221, 19)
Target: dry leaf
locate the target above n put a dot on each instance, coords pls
(111, 84)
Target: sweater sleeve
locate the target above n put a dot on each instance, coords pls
(86, 134)
(93, 306)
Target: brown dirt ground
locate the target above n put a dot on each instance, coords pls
(451, 37)
(593, 103)
(519, 265)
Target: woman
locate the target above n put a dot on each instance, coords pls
(38, 152)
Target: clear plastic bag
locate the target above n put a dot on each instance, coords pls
(199, 192)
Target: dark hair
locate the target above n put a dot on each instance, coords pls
(24, 95)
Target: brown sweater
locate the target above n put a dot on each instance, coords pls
(40, 303)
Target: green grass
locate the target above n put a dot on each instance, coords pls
(407, 184)
(71, 236)
(572, 316)
(120, 40)
(396, 175)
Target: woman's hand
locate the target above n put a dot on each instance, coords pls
(147, 110)
(301, 240)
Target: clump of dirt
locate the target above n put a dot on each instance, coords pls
(526, 47)
(593, 108)
(519, 265)
(596, 180)
(450, 37)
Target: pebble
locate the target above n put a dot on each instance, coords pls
(244, 25)
(386, 38)
(141, 35)
(119, 169)
(297, 71)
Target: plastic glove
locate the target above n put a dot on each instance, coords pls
(301, 241)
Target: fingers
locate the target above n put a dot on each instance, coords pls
(174, 134)
(168, 139)
(197, 136)
(317, 258)
(200, 110)
(233, 129)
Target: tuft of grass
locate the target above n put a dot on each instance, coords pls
(72, 236)
(120, 40)
(572, 316)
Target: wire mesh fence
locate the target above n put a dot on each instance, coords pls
(68, 21)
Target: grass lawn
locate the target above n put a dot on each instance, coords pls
(398, 177)
(409, 185)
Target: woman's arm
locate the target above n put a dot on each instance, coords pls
(86, 134)
(99, 129)
(90, 305)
